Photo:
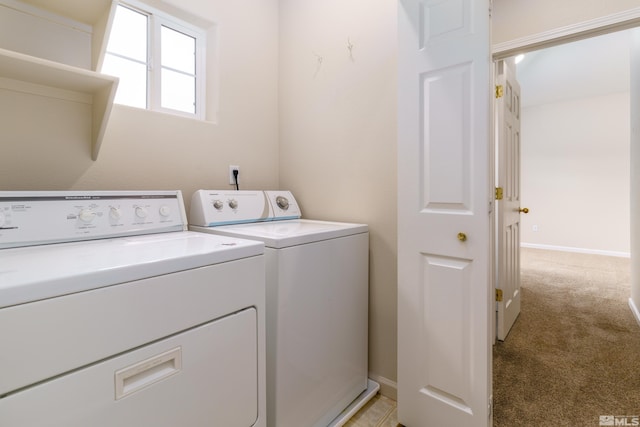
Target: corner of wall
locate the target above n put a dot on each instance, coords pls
(388, 388)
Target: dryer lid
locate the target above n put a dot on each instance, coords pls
(39, 272)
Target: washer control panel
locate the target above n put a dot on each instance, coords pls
(284, 206)
(34, 218)
(223, 207)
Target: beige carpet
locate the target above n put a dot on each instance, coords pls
(574, 352)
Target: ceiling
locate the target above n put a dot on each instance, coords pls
(590, 67)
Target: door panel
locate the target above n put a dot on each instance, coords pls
(508, 209)
(446, 373)
(445, 170)
(445, 299)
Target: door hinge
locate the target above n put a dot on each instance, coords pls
(490, 407)
(499, 91)
(499, 193)
(498, 294)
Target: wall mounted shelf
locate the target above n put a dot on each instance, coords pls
(24, 73)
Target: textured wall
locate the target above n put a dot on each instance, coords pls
(338, 135)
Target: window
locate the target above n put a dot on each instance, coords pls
(159, 60)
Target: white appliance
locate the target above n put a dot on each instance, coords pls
(113, 314)
(317, 303)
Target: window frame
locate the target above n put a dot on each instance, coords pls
(156, 19)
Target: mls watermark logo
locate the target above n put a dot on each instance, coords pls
(619, 420)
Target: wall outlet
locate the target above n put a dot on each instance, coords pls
(232, 179)
(535, 228)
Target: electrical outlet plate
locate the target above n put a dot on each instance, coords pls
(232, 179)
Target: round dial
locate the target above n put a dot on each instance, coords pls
(165, 210)
(218, 204)
(233, 204)
(282, 202)
(87, 215)
(115, 213)
(141, 212)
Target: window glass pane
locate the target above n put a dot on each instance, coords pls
(164, 79)
(178, 50)
(132, 88)
(129, 34)
(178, 91)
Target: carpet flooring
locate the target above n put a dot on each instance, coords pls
(573, 354)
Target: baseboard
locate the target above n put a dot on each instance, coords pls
(388, 388)
(356, 405)
(576, 250)
(634, 310)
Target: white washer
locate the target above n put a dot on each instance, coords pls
(317, 303)
(113, 314)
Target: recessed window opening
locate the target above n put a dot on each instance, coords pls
(159, 60)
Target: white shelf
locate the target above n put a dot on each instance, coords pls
(39, 76)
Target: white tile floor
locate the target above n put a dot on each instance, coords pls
(380, 411)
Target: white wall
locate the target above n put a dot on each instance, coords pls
(338, 135)
(575, 173)
(46, 143)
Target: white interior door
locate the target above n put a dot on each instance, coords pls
(445, 298)
(508, 195)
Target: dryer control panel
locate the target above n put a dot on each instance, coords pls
(223, 207)
(40, 217)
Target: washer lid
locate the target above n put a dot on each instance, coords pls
(38, 272)
(282, 234)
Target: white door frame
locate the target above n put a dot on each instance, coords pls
(596, 27)
(607, 24)
(584, 30)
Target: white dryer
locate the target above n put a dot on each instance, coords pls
(113, 314)
(317, 303)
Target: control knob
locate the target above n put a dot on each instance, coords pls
(165, 211)
(218, 204)
(141, 212)
(282, 202)
(87, 215)
(115, 213)
(233, 204)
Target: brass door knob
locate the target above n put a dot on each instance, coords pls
(524, 210)
(462, 237)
